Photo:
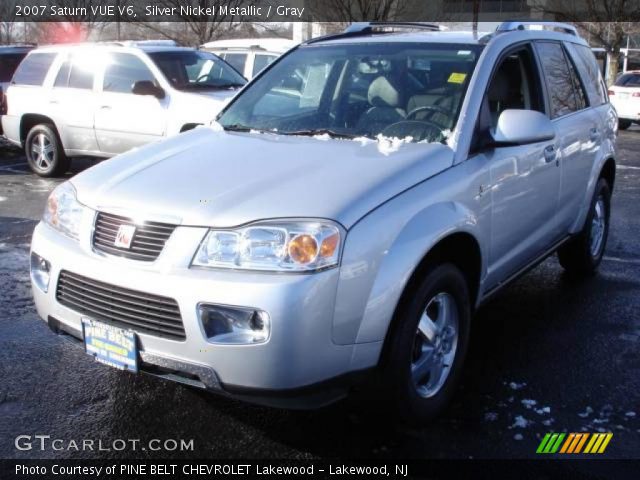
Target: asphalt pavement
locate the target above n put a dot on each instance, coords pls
(548, 354)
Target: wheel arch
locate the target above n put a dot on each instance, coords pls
(608, 172)
(461, 249)
(30, 120)
(384, 256)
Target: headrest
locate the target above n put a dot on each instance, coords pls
(383, 94)
(499, 89)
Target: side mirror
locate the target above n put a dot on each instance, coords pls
(521, 127)
(147, 87)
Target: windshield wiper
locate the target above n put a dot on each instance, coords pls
(319, 131)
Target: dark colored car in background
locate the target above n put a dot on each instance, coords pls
(10, 58)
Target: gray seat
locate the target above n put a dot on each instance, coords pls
(505, 90)
(384, 99)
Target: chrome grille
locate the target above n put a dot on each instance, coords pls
(148, 240)
(121, 307)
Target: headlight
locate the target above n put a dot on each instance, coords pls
(63, 212)
(299, 246)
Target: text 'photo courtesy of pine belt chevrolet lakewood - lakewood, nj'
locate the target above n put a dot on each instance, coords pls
(338, 223)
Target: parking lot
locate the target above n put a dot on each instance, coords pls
(547, 354)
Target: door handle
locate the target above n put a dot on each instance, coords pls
(594, 134)
(53, 102)
(550, 153)
(105, 107)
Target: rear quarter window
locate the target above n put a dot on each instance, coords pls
(559, 77)
(33, 69)
(589, 71)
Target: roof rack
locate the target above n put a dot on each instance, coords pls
(563, 27)
(364, 28)
(368, 27)
(145, 43)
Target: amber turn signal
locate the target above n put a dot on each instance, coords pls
(329, 245)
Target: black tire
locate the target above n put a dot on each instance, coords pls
(623, 124)
(411, 401)
(53, 162)
(582, 255)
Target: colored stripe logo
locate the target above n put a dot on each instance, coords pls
(593, 443)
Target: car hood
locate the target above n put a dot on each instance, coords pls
(208, 177)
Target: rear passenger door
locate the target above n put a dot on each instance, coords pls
(577, 127)
(73, 101)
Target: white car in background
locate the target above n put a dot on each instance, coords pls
(249, 55)
(104, 99)
(624, 95)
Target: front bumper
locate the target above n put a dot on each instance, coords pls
(298, 355)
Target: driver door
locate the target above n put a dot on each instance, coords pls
(525, 179)
(124, 120)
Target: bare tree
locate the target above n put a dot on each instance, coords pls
(7, 26)
(604, 28)
(197, 29)
(349, 11)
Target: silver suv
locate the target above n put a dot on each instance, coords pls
(104, 99)
(341, 221)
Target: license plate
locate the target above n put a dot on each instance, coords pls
(110, 345)
(624, 95)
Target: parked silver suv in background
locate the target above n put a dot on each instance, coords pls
(345, 216)
(104, 99)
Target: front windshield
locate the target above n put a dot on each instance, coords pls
(188, 70)
(406, 90)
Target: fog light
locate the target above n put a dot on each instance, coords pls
(40, 272)
(234, 325)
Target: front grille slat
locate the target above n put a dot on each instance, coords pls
(120, 306)
(72, 285)
(106, 309)
(122, 291)
(148, 240)
(128, 254)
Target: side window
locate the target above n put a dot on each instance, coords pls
(581, 96)
(123, 70)
(62, 78)
(586, 62)
(33, 69)
(560, 81)
(515, 84)
(81, 73)
(260, 62)
(236, 60)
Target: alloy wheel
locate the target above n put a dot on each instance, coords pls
(435, 345)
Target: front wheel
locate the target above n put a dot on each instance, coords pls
(44, 151)
(428, 345)
(582, 255)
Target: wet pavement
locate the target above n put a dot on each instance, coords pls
(547, 354)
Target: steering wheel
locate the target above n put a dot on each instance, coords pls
(433, 109)
(418, 130)
(203, 77)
